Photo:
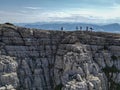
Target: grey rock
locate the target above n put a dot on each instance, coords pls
(33, 59)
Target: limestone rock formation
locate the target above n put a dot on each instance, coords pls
(33, 59)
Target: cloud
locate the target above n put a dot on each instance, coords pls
(77, 18)
(38, 14)
(33, 8)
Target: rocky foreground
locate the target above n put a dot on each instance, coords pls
(33, 59)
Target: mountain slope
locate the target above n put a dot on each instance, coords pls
(72, 26)
(112, 27)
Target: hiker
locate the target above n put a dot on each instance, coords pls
(91, 29)
(76, 27)
(61, 28)
(80, 28)
(87, 28)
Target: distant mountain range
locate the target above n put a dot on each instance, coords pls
(115, 27)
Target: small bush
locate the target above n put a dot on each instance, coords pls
(112, 69)
(59, 87)
(50, 66)
(114, 57)
(105, 47)
(118, 87)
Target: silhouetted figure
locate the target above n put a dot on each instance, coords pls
(87, 28)
(61, 28)
(80, 28)
(76, 27)
(91, 28)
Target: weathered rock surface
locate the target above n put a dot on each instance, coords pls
(33, 59)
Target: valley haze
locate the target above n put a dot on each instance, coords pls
(114, 27)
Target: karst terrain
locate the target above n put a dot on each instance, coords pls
(32, 59)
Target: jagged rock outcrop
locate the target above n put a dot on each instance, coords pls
(33, 59)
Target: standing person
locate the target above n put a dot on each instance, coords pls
(76, 27)
(91, 28)
(87, 28)
(80, 28)
(61, 28)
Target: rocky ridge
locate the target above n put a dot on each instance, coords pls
(32, 59)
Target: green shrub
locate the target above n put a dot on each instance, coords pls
(113, 85)
(112, 69)
(59, 87)
(114, 57)
(105, 47)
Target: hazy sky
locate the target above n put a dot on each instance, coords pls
(89, 11)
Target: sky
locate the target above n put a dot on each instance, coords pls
(85, 11)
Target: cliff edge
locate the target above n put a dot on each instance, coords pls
(32, 59)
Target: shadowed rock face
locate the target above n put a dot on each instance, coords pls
(33, 59)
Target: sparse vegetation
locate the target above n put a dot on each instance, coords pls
(114, 57)
(50, 66)
(105, 47)
(112, 69)
(59, 87)
(113, 85)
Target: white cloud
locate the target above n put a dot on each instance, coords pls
(37, 14)
(33, 8)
